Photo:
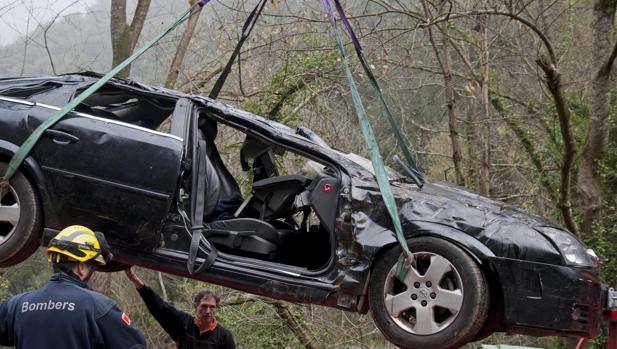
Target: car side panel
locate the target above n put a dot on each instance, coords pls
(113, 177)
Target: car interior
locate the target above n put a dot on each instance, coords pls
(283, 216)
(111, 102)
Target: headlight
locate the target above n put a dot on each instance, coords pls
(572, 250)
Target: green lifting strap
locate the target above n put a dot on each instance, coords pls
(369, 72)
(378, 166)
(31, 141)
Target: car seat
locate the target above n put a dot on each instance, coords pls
(243, 235)
(273, 198)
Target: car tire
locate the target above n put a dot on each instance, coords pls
(446, 288)
(20, 219)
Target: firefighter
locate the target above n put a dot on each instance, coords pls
(66, 313)
(201, 331)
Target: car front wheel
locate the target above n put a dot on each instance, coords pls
(20, 219)
(441, 303)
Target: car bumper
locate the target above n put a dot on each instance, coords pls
(544, 299)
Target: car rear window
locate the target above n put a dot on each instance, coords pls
(146, 110)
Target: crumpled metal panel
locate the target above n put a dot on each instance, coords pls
(508, 232)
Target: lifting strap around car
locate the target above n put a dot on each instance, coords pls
(31, 141)
(378, 166)
(247, 28)
(369, 72)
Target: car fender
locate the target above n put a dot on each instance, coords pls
(415, 228)
(472, 246)
(32, 169)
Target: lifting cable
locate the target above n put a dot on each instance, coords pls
(380, 172)
(412, 171)
(34, 137)
(247, 28)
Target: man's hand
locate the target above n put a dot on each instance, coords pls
(130, 274)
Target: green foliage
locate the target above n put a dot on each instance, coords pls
(301, 71)
(31, 274)
(606, 245)
(256, 325)
(579, 113)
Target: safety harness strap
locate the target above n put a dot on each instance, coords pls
(247, 28)
(369, 137)
(34, 137)
(198, 216)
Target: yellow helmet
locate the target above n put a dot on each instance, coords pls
(79, 244)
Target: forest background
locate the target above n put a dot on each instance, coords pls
(512, 99)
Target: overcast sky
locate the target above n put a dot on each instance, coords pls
(18, 17)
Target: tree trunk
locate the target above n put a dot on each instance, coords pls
(589, 180)
(446, 68)
(470, 137)
(123, 35)
(457, 154)
(187, 35)
(553, 82)
(485, 168)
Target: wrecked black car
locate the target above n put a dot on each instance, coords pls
(141, 165)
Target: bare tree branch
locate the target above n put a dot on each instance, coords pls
(296, 326)
(46, 30)
(533, 27)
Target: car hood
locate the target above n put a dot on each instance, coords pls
(506, 230)
(465, 210)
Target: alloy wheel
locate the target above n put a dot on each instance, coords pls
(430, 297)
(9, 212)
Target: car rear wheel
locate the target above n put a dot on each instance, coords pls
(20, 219)
(442, 302)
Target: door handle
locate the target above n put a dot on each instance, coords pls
(61, 137)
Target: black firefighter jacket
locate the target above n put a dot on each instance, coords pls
(66, 314)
